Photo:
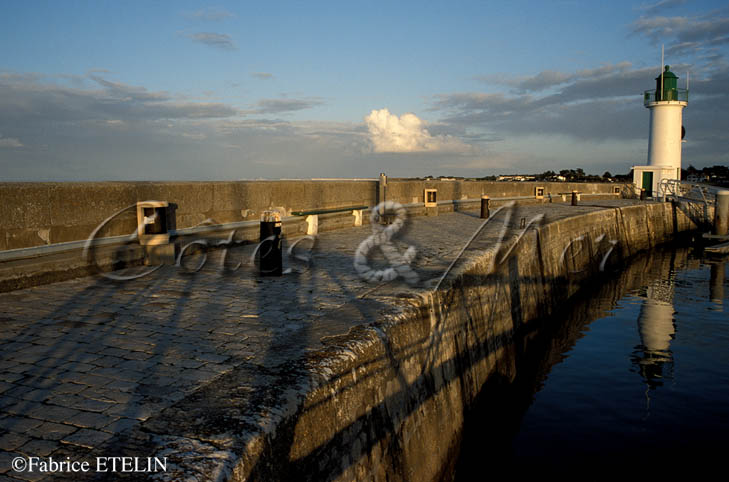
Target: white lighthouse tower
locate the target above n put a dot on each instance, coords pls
(666, 104)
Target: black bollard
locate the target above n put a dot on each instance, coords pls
(485, 212)
(642, 194)
(270, 259)
(574, 198)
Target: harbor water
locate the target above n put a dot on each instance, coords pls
(633, 375)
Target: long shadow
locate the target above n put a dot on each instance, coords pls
(119, 352)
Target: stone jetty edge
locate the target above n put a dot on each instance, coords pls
(387, 400)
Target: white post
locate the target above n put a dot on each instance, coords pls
(312, 224)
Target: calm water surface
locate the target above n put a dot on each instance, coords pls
(635, 374)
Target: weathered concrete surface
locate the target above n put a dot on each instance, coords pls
(234, 376)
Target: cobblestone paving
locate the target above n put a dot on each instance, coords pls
(85, 359)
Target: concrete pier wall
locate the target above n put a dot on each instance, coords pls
(387, 400)
(37, 214)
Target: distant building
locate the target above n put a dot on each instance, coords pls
(697, 178)
(516, 177)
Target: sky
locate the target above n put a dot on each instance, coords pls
(182, 90)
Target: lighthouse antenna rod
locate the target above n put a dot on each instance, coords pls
(661, 71)
(687, 79)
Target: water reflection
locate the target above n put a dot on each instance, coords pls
(571, 397)
(656, 327)
(716, 282)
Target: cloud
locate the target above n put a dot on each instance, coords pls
(682, 31)
(129, 92)
(661, 6)
(262, 75)
(10, 142)
(595, 110)
(217, 40)
(23, 101)
(279, 106)
(110, 130)
(210, 13)
(548, 79)
(407, 133)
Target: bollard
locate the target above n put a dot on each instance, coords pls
(485, 212)
(574, 198)
(270, 260)
(642, 194)
(721, 213)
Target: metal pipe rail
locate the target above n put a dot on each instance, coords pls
(695, 192)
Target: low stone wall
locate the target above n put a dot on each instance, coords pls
(37, 214)
(387, 400)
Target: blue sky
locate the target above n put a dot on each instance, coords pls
(104, 90)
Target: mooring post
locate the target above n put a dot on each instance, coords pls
(721, 213)
(485, 211)
(574, 198)
(269, 255)
(642, 194)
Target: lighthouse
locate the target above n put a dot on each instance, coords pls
(665, 103)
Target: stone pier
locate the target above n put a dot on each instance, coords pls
(315, 375)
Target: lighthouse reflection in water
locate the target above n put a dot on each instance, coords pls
(636, 369)
(656, 328)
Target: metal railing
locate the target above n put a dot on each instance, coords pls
(695, 192)
(653, 95)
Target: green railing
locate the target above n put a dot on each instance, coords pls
(653, 95)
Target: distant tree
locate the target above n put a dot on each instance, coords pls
(607, 175)
(718, 171)
(624, 177)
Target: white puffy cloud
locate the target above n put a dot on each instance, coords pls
(407, 133)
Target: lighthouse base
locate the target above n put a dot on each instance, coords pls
(650, 177)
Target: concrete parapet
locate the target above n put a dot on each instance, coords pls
(52, 220)
(36, 214)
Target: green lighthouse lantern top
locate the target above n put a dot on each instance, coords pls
(666, 90)
(670, 85)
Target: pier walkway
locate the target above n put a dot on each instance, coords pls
(93, 366)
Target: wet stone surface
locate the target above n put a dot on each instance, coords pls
(84, 362)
